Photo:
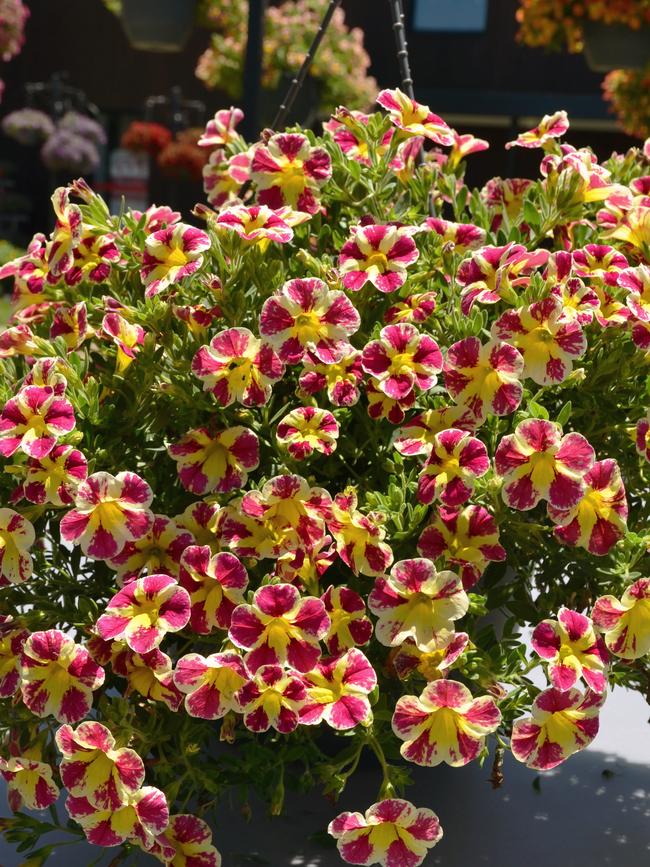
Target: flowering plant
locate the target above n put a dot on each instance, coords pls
(145, 137)
(28, 126)
(70, 145)
(558, 24)
(340, 67)
(13, 16)
(266, 478)
(628, 93)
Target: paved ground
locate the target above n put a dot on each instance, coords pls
(593, 811)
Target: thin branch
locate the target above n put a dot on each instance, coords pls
(297, 82)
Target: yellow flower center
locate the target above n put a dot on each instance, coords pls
(376, 260)
(177, 257)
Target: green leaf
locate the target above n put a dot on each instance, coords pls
(565, 414)
(537, 410)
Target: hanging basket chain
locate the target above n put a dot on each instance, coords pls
(297, 82)
(397, 14)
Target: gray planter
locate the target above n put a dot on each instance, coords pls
(158, 25)
(615, 46)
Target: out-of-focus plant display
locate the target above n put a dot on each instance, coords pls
(69, 145)
(628, 93)
(265, 478)
(13, 17)
(178, 156)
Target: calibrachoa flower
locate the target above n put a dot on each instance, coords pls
(12, 639)
(642, 436)
(29, 783)
(464, 145)
(417, 602)
(224, 177)
(67, 234)
(455, 461)
(221, 129)
(55, 477)
(445, 724)
(548, 340)
(430, 664)
(218, 463)
(255, 225)
(467, 539)
(48, 372)
(572, 650)
(149, 674)
(341, 379)
(33, 420)
(489, 271)
(142, 816)
(58, 676)
(144, 611)
(93, 768)
(306, 430)
(349, 626)
(561, 724)
(16, 538)
(158, 551)
(346, 126)
(412, 118)
(417, 436)
(109, 512)
(288, 171)
(393, 833)
(414, 308)
(187, 842)
(359, 538)
(216, 584)
(273, 698)
(306, 319)
(280, 627)
(538, 463)
(70, 323)
(579, 302)
(210, 683)
(550, 127)
(379, 255)
(484, 377)
(381, 406)
(127, 336)
(337, 691)
(599, 519)
(170, 255)
(237, 366)
(464, 236)
(626, 622)
(401, 359)
(200, 519)
(93, 258)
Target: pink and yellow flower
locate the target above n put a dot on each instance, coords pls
(127, 336)
(381, 406)
(186, 842)
(393, 833)
(288, 171)
(306, 319)
(29, 783)
(170, 255)
(341, 379)
(223, 177)
(561, 724)
(379, 255)
(218, 463)
(58, 676)
(280, 627)
(33, 420)
(414, 119)
(402, 359)
(67, 234)
(16, 538)
(414, 308)
(464, 236)
(272, 698)
(572, 650)
(142, 816)
(12, 639)
(200, 520)
(109, 512)
(93, 258)
(484, 377)
(579, 302)
(337, 691)
(93, 768)
(359, 538)
(306, 430)
(349, 626)
(417, 436)
(417, 602)
(149, 674)
(221, 129)
(210, 683)
(433, 664)
(642, 436)
(599, 519)
(143, 612)
(55, 477)
(48, 372)
(463, 146)
(456, 460)
(445, 724)
(256, 224)
(216, 585)
(625, 622)
(237, 366)
(548, 340)
(346, 126)
(71, 323)
(486, 275)
(538, 463)
(550, 127)
(467, 539)
(157, 551)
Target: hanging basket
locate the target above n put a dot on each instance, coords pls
(158, 25)
(615, 46)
